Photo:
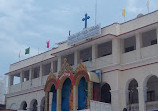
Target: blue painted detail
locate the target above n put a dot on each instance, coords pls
(85, 19)
(82, 94)
(54, 99)
(65, 95)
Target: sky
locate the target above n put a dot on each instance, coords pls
(30, 23)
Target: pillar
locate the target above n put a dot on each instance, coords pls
(51, 68)
(115, 100)
(50, 100)
(138, 45)
(75, 97)
(142, 104)
(40, 74)
(21, 77)
(94, 52)
(157, 34)
(116, 50)
(46, 101)
(58, 99)
(124, 97)
(59, 63)
(30, 76)
(90, 93)
(76, 58)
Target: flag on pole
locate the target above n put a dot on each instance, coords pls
(69, 32)
(27, 51)
(19, 54)
(47, 44)
(124, 12)
(147, 4)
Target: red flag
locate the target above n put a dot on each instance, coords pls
(47, 44)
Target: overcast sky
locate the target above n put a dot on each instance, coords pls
(30, 23)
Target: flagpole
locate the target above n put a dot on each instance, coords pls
(95, 12)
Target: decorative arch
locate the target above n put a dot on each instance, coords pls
(151, 91)
(81, 71)
(23, 105)
(65, 72)
(65, 68)
(50, 81)
(13, 106)
(132, 91)
(33, 105)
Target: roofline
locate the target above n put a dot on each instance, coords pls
(28, 66)
(101, 28)
(104, 36)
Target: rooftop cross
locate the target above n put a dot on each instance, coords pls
(85, 19)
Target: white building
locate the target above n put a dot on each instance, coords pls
(126, 54)
(2, 89)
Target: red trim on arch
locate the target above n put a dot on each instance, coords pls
(63, 75)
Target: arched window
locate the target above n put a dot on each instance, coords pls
(152, 89)
(23, 105)
(34, 104)
(105, 93)
(133, 92)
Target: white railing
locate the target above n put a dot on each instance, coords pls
(99, 106)
(133, 107)
(150, 106)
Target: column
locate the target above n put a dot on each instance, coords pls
(50, 100)
(41, 72)
(90, 93)
(75, 98)
(21, 77)
(76, 58)
(58, 99)
(142, 104)
(30, 76)
(94, 52)
(46, 101)
(157, 33)
(11, 80)
(138, 45)
(51, 68)
(59, 63)
(124, 97)
(115, 100)
(116, 50)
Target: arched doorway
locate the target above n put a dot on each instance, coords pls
(66, 90)
(82, 94)
(42, 104)
(23, 105)
(33, 105)
(133, 92)
(105, 93)
(54, 98)
(152, 89)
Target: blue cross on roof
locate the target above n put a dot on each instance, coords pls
(85, 19)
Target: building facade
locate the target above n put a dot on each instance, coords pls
(124, 55)
(2, 89)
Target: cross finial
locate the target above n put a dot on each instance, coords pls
(85, 19)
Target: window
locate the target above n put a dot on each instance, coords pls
(105, 49)
(55, 64)
(129, 44)
(36, 72)
(149, 38)
(26, 75)
(150, 95)
(86, 54)
(46, 68)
